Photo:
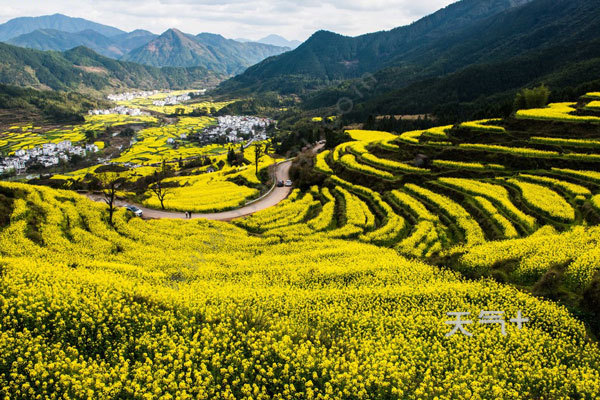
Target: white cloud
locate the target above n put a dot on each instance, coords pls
(236, 18)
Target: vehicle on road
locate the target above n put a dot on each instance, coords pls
(288, 183)
(279, 183)
(135, 210)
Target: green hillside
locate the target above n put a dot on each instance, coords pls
(18, 104)
(83, 69)
(52, 39)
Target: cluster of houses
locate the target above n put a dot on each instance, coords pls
(132, 95)
(48, 155)
(174, 100)
(238, 128)
(119, 110)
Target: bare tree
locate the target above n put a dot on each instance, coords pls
(258, 151)
(110, 183)
(158, 187)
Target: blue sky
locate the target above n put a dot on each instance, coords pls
(250, 19)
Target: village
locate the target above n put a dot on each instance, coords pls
(169, 100)
(132, 95)
(120, 110)
(48, 155)
(235, 129)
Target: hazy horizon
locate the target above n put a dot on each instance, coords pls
(252, 20)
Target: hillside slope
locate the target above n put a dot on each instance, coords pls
(82, 69)
(327, 56)
(486, 57)
(52, 39)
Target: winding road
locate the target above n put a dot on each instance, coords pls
(274, 197)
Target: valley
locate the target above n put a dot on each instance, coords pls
(405, 214)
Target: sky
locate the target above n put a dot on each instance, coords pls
(251, 19)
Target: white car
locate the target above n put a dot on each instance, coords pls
(288, 183)
(135, 210)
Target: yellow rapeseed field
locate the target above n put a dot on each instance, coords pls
(203, 310)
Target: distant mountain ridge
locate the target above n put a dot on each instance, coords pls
(173, 48)
(177, 49)
(274, 40)
(23, 25)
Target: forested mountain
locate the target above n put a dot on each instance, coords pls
(470, 50)
(114, 46)
(177, 49)
(327, 56)
(83, 69)
(546, 41)
(20, 26)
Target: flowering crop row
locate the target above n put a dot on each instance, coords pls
(593, 105)
(411, 137)
(466, 165)
(203, 310)
(357, 211)
(321, 162)
(470, 227)
(589, 175)
(349, 161)
(425, 238)
(596, 201)
(594, 144)
(390, 164)
(482, 125)
(439, 132)
(326, 217)
(575, 190)
(519, 151)
(495, 193)
(288, 212)
(556, 112)
(539, 252)
(545, 200)
(508, 229)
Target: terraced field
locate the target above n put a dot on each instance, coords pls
(197, 309)
(492, 184)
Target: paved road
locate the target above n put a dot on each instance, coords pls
(282, 173)
(273, 198)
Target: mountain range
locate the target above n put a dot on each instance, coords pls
(171, 49)
(23, 25)
(176, 49)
